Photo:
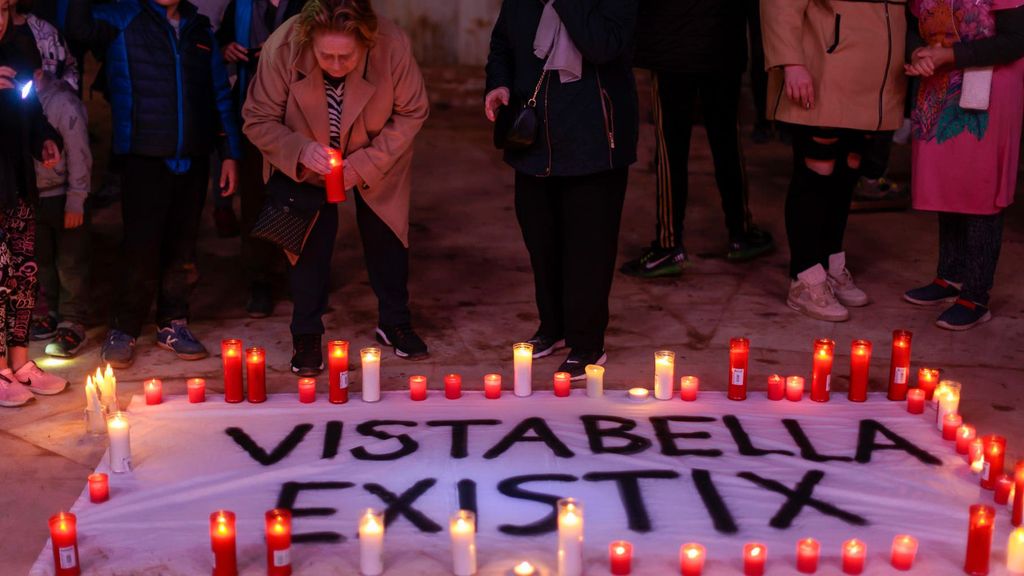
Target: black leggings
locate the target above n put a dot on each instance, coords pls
(969, 251)
(817, 205)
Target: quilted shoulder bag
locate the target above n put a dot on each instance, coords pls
(517, 130)
(290, 211)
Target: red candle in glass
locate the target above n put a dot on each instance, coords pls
(279, 542)
(794, 388)
(1003, 486)
(256, 374)
(417, 388)
(691, 559)
(739, 357)
(620, 557)
(915, 401)
(904, 551)
(453, 386)
(808, 551)
(337, 371)
(979, 540)
(64, 536)
(995, 458)
(335, 179)
(927, 380)
(776, 387)
(950, 424)
(492, 386)
(562, 384)
(899, 366)
(689, 386)
(196, 390)
(307, 390)
(821, 374)
(222, 541)
(154, 389)
(99, 488)
(1017, 514)
(860, 363)
(965, 434)
(231, 360)
(854, 554)
(755, 556)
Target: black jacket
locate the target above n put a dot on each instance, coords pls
(590, 125)
(692, 36)
(24, 129)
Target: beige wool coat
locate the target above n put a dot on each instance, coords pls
(384, 108)
(854, 51)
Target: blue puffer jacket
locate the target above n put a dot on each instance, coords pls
(168, 90)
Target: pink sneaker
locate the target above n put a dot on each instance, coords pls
(12, 392)
(40, 382)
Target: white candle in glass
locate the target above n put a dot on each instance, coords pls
(522, 359)
(1015, 552)
(949, 403)
(664, 374)
(371, 373)
(120, 444)
(95, 423)
(371, 543)
(595, 380)
(462, 529)
(570, 537)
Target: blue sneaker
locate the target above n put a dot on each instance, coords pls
(179, 339)
(963, 315)
(118, 349)
(938, 292)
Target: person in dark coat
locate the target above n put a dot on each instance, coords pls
(696, 51)
(571, 182)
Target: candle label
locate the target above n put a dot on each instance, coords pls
(282, 557)
(986, 468)
(343, 380)
(737, 376)
(67, 557)
(828, 383)
(900, 375)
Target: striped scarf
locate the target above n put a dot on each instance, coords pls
(335, 98)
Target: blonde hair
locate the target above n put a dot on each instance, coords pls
(354, 17)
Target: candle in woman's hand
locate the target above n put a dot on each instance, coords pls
(808, 551)
(904, 550)
(222, 541)
(256, 374)
(196, 390)
(335, 179)
(99, 488)
(64, 538)
(854, 554)
(337, 371)
(371, 543)
(154, 391)
(279, 542)
(231, 360)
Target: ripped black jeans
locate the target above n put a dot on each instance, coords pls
(826, 166)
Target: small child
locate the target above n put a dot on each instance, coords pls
(62, 240)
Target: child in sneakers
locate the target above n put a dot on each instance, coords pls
(170, 105)
(62, 240)
(24, 134)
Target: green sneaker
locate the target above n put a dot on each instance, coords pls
(753, 243)
(657, 262)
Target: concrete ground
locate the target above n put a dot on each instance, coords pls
(473, 297)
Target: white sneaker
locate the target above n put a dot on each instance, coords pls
(12, 392)
(841, 281)
(40, 382)
(811, 294)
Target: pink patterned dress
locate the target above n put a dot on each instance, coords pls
(965, 161)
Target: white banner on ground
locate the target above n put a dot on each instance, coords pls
(658, 474)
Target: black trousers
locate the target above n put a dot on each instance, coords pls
(817, 206)
(674, 98)
(758, 75)
(64, 257)
(969, 246)
(262, 260)
(161, 212)
(387, 263)
(571, 229)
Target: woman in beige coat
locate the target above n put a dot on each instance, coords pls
(836, 76)
(339, 76)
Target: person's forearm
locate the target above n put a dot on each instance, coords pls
(1007, 45)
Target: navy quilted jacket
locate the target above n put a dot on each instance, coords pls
(169, 92)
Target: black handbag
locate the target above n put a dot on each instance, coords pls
(289, 214)
(517, 130)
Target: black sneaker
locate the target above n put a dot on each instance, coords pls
(261, 301)
(67, 341)
(307, 356)
(544, 345)
(657, 262)
(404, 340)
(963, 315)
(938, 292)
(42, 327)
(577, 362)
(753, 243)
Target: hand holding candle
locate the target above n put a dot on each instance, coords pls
(335, 179)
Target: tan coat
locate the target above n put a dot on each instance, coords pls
(384, 108)
(854, 51)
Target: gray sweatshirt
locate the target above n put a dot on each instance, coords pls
(73, 173)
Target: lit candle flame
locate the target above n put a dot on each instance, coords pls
(692, 553)
(619, 550)
(756, 550)
(524, 568)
